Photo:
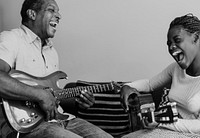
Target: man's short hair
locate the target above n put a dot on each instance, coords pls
(35, 5)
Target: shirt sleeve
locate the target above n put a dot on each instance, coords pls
(184, 125)
(8, 47)
(156, 82)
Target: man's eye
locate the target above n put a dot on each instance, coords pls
(51, 10)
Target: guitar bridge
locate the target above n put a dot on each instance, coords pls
(147, 111)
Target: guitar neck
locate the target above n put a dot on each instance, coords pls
(76, 91)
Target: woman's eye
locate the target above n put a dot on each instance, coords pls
(169, 43)
(177, 41)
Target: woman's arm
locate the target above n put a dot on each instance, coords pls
(184, 125)
(161, 80)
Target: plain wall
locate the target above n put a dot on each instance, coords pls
(105, 40)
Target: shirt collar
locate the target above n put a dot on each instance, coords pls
(32, 37)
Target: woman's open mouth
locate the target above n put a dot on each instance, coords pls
(178, 55)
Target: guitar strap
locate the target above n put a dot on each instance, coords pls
(164, 98)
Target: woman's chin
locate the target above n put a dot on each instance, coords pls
(183, 66)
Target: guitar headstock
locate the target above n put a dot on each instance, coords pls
(167, 113)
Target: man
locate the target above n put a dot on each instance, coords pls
(29, 49)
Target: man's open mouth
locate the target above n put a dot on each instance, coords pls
(53, 24)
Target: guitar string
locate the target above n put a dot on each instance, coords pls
(72, 92)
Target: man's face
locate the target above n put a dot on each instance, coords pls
(47, 19)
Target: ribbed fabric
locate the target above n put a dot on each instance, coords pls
(108, 114)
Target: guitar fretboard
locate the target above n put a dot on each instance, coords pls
(75, 91)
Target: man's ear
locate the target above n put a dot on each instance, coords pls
(196, 37)
(31, 14)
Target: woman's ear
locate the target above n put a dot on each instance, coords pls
(31, 14)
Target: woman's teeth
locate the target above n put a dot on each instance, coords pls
(178, 55)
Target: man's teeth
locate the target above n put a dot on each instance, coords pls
(53, 24)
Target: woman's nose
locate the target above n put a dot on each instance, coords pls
(172, 47)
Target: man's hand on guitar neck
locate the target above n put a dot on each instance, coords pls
(48, 103)
(86, 99)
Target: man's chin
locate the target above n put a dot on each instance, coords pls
(51, 35)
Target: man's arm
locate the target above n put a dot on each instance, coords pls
(11, 88)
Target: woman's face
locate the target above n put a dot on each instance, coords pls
(182, 46)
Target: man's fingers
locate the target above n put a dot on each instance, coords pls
(56, 113)
(82, 104)
(87, 97)
(52, 115)
(47, 116)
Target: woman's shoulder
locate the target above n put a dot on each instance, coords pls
(172, 66)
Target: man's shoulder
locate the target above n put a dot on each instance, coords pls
(16, 33)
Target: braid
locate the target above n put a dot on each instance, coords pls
(189, 22)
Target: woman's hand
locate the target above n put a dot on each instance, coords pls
(125, 92)
(147, 124)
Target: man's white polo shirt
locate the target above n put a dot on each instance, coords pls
(22, 50)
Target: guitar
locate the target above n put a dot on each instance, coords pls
(142, 106)
(165, 114)
(23, 116)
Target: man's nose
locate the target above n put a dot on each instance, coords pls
(58, 15)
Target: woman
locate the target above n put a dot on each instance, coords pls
(183, 75)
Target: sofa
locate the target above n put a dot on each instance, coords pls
(108, 114)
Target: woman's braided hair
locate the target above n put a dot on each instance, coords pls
(189, 22)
